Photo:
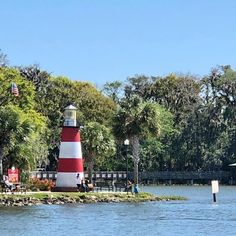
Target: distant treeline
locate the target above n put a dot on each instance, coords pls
(204, 119)
(175, 122)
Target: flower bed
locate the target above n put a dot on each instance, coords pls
(40, 185)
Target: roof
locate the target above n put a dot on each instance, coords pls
(234, 164)
(70, 107)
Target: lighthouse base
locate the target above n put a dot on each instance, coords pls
(64, 189)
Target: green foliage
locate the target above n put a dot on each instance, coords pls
(98, 143)
(25, 100)
(19, 131)
(3, 59)
(201, 135)
(175, 122)
(93, 104)
(53, 94)
(61, 198)
(142, 118)
(180, 95)
(113, 90)
(97, 140)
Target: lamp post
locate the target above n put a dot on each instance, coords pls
(1, 169)
(126, 143)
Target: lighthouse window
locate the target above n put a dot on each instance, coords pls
(67, 122)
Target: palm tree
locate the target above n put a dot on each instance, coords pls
(137, 119)
(97, 143)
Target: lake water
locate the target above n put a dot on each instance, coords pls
(196, 216)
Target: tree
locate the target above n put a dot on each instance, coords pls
(140, 85)
(53, 94)
(3, 59)
(19, 133)
(97, 144)
(136, 120)
(178, 94)
(219, 112)
(25, 100)
(21, 126)
(114, 90)
(92, 106)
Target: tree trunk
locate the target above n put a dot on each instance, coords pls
(135, 151)
(90, 162)
(1, 166)
(90, 171)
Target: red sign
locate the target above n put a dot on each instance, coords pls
(13, 175)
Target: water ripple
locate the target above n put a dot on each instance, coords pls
(196, 216)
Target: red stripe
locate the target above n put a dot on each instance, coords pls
(70, 134)
(70, 165)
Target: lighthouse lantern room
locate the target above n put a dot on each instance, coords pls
(70, 116)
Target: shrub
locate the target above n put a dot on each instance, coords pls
(41, 185)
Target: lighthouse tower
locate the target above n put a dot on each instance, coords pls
(70, 156)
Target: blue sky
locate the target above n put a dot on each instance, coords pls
(105, 40)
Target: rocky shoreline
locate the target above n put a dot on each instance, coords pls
(66, 198)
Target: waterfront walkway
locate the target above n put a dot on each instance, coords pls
(157, 177)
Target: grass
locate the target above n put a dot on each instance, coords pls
(92, 196)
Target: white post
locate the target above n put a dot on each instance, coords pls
(215, 188)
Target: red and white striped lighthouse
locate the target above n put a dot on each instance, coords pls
(70, 156)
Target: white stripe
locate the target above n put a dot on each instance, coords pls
(70, 150)
(67, 179)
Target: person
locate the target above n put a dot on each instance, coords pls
(83, 186)
(78, 181)
(136, 189)
(8, 183)
(89, 186)
(86, 185)
(129, 186)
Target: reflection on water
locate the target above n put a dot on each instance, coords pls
(196, 216)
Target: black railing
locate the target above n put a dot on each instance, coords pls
(107, 175)
(145, 176)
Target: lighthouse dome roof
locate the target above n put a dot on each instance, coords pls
(70, 107)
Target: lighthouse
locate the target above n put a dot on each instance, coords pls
(70, 156)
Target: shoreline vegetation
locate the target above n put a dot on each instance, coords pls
(56, 198)
(185, 123)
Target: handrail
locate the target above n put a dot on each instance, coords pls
(157, 175)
